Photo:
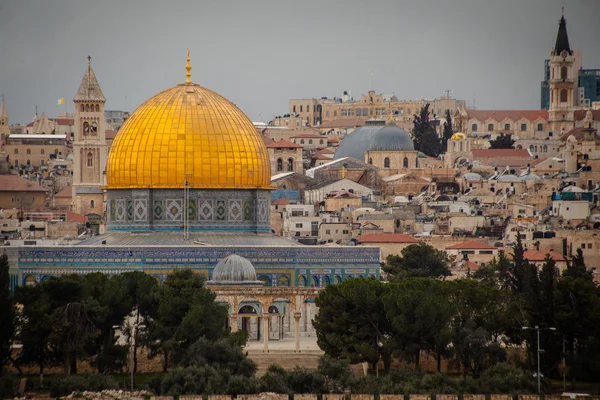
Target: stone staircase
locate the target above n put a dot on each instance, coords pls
(286, 359)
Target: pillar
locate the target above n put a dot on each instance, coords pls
(233, 323)
(297, 316)
(266, 333)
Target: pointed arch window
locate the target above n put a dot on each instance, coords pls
(28, 151)
(279, 164)
(290, 165)
(94, 128)
(82, 108)
(386, 162)
(97, 108)
(92, 204)
(405, 162)
(87, 108)
(86, 128)
(42, 151)
(90, 160)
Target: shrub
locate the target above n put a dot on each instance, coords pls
(8, 386)
(66, 385)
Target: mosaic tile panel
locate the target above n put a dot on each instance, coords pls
(263, 210)
(120, 209)
(140, 209)
(129, 210)
(248, 210)
(206, 211)
(235, 210)
(113, 210)
(192, 209)
(159, 210)
(221, 216)
(174, 210)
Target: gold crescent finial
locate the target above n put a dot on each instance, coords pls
(188, 67)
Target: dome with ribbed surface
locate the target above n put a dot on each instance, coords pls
(188, 133)
(234, 270)
(374, 138)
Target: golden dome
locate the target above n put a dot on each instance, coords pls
(458, 136)
(188, 132)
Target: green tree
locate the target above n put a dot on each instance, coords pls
(35, 328)
(496, 273)
(448, 131)
(7, 314)
(419, 315)
(477, 325)
(186, 312)
(577, 312)
(351, 323)
(502, 142)
(425, 137)
(417, 261)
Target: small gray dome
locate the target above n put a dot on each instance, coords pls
(443, 197)
(234, 270)
(530, 177)
(472, 176)
(509, 178)
(374, 138)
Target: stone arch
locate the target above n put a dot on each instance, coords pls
(30, 280)
(314, 281)
(337, 279)
(279, 164)
(283, 280)
(266, 279)
(405, 162)
(326, 281)
(290, 164)
(386, 162)
(302, 280)
(563, 95)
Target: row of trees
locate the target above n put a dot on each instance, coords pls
(468, 322)
(71, 318)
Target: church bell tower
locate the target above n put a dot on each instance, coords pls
(89, 146)
(563, 83)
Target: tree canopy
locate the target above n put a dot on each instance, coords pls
(425, 138)
(417, 261)
(502, 142)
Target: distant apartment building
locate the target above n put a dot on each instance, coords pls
(371, 105)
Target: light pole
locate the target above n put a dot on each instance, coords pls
(134, 329)
(538, 329)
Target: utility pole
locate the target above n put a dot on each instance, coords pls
(538, 329)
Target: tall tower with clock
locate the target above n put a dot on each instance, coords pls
(89, 146)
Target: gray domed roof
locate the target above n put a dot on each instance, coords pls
(234, 270)
(472, 176)
(374, 138)
(509, 178)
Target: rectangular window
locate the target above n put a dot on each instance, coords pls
(583, 245)
(540, 127)
(474, 128)
(351, 112)
(365, 111)
(328, 232)
(490, 127)
(590, 246)
(506, 127)
(486, 252)
(345, 232)
(359, 112)
(523, 127)
(335, 113)
(344, 112)
(298, 225)
(468, 252)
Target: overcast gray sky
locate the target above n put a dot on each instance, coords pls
(259, 54)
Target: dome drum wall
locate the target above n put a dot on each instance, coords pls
(233, 210)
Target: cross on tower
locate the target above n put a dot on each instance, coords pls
(89, 59)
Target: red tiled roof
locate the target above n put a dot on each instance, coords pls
(66, 192)
(579, 115)
(576, 132)
(515, 115)
(283, 144)
(14, 183)
(322, 157)
(534, 255)
(537, 161)
(333, 140)
(281, 202)
(343, 123)
(500, 153)
(309, 136)
(59, 121)
(468, 265)
(387, 238)
(326, 151)
(471, 245)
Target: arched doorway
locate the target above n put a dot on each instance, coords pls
(250, 322)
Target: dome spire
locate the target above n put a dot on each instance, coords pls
(188, 68)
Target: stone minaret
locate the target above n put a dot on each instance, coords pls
(563, 83)
(89, 146)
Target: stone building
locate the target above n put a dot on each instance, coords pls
(285, 156)
(21, 194)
